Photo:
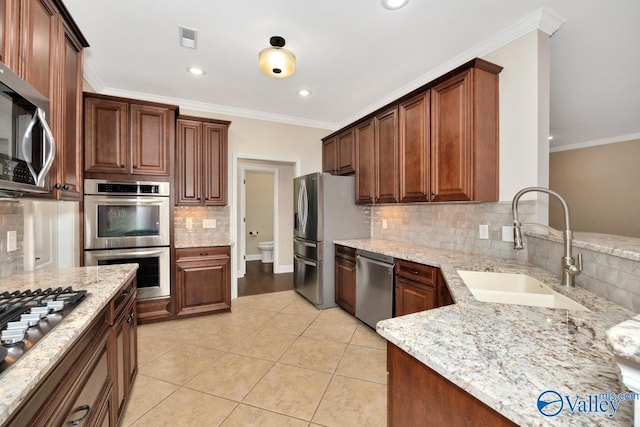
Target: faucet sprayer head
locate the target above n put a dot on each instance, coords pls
(517, 237)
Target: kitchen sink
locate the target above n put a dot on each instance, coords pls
(514, 288)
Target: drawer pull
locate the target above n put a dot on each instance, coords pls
(125, 293)
(414, 272)
(83, 418)
(204, 254)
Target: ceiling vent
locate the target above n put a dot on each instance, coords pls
(188, 37)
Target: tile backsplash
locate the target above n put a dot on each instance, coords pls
(452, 226)
(11, 218)
(198, 235)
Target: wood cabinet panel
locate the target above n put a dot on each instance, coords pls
(412, 297)
(39, 48)
(386, 156)
(330, 156)
(450, 139)
(124, 356)
(202, 161)
(414, 143)
(364, 138)
(345, 278)
(203, 280)
(346, 152)
(417, 395)
(106, 133)
(151, 130)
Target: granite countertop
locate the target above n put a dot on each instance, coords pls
(620, 246)
(507, 355)
(203, 242)
(624, 340)
(101, 284)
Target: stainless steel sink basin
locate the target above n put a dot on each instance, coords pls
(511, 288)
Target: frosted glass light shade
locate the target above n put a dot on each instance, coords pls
(277, 62)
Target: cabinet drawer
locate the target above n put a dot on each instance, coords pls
(185, 254)
(416, 272)
(346, 252)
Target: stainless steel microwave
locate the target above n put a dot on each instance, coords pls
(27, 148)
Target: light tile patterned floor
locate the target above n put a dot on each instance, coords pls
(273, 361)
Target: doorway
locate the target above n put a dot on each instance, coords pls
(280, 172)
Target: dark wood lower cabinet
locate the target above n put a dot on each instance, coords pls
(345, 278)
(419, 396)
(90, 385)
(203, 280)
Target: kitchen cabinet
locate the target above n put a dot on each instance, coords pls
(438, 143)
(365, 162)
(338, 154)
(203, 280)
(345, 278)
(201, 161)
(41, 43)
(124, 351)
(417, 395)
(414, 145)
(79, 389)
(464, 136)
(418, 287)
(127, 137)
(386, 156)
(330, 156)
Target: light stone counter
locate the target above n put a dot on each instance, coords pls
(204, 242)
(101, 284)
(507, 355)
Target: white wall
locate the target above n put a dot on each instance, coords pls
(524, 114)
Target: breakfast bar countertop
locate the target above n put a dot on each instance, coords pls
(101, 284)
(507, 355)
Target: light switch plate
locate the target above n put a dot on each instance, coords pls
(483, 231)
(12, 241)
(384, 224)
(188, 223)
(209, 223)
(507, 233)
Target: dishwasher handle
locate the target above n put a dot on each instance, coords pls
(360, 258)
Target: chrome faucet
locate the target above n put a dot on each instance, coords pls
(569, 266)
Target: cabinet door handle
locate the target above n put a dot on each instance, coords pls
(65, 187)
(130, 318)
(57, 186)
(135, 166)
(83, 418)
(433, 193)
(178, 269)
(122, 166)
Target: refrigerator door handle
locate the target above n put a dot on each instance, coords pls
(303, 204)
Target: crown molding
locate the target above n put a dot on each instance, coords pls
(595, 142)
(542, 19)
(92, 78)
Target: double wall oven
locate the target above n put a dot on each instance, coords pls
(128, 222)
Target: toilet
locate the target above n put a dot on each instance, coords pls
(266, 251)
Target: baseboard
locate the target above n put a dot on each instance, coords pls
(283, 269)
(257, 257)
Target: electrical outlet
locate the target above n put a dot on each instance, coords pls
(507, 233)
(384, 224)
(209, 223)
(483, 230)
(12, 241)
(188, 223)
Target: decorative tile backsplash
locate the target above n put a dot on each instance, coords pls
(198, 235)
(11, 218)
(452, 226)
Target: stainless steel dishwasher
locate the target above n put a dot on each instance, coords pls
(374, 287)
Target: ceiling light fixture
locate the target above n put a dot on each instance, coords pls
(394, 4)
(276, 61)
(304, 92)
(196, 71)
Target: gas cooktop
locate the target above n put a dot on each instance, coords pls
(26, 316)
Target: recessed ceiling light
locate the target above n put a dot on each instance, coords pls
(304, 92)
(394, 4)
(196, 71)
(550, 137)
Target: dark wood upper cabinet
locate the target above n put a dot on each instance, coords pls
(346, 152)
(106, 135)
(414, 129)
(386, 156)
(39, 50)
(330, 156)
(128, 137)
(201, 161)
(365, 162)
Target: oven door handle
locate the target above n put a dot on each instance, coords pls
(119, 253)
(114, 200)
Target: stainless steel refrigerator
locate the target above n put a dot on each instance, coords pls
(324, 211)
